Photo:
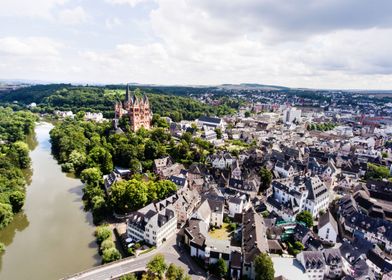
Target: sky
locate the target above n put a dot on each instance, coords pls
(343, 44)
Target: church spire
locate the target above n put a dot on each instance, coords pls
(128, 94)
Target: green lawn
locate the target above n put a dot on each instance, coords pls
(222, 233)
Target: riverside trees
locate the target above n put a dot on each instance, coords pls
(14, 156)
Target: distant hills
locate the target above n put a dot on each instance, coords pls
(241, 86)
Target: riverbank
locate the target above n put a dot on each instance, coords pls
(52, 237)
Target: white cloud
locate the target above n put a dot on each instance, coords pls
(210, 42)
(131, 3)
(73, 16)
(112, 22)
(36, 8)
(30, 46)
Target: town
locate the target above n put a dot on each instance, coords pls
(305, 189)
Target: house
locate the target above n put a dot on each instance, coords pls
(354, 261)
(221, 161)
(179, 180)
(334, 263)
(154, 223)
(110, 179)
(210, 123)
(313, 264)
(237, 204)
(209, 135)
(186, 203)
(327, 228)
(254, 241)
(162, 163)
(210, 211)
(236, 170)
(301, 193)
(285, 169)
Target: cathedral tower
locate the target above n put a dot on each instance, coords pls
(136, 108)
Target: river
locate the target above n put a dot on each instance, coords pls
(52, 237)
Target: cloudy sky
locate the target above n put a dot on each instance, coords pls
(298, 43)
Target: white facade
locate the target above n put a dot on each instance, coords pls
(235, 207)
(152, 225)
(327, 232)
(302, 193)
(291, 114)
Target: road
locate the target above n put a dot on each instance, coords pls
(172, 253)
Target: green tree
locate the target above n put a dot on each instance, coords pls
(110, 255)
(247, 114)
(219, 268)
(78, 160)
(264, 268)
(5, 214)
(128, 195)
(101, 158)
(107, 244)
(19, 154)
(218, 132)
(91, 176)
(266, 179)
(305, 217)
(17, 199)
(102, 233)
(131, 276)
(157, 266)
(175, 272)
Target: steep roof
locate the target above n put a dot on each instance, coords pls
(327, 218)
(254, 236)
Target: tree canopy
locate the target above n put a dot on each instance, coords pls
(14, 156)
(305, 217)
(264, 267)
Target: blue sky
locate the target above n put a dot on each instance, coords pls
(299, 43)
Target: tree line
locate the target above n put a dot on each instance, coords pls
(14, 157)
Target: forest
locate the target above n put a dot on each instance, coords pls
(101, 99)
(14, 157)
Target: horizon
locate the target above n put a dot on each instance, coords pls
(260, 85)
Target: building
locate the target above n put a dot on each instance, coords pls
(210, 211)
(155, 223)
(136, 108)
(301, 193)
(327, 228)
(291, 115)
(210, 123)
(313, 264)
(254, 241)
(237, 204)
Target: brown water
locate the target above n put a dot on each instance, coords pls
(53, 236)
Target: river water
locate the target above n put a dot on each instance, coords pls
(52, 237)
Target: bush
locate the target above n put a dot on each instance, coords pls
(102, 233)
(67, 167)
(110, 255)
(107, 244)
(232, 226)
(2, 248)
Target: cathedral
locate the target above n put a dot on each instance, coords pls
(136, 108)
